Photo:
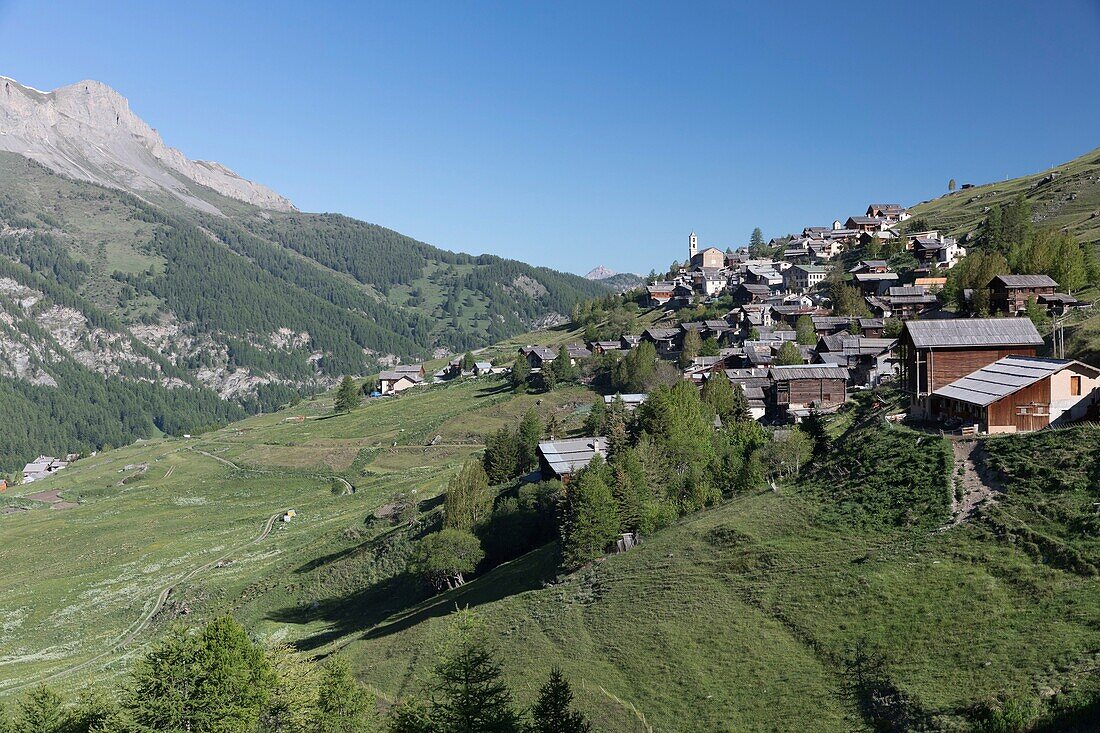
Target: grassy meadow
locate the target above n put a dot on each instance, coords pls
(802, 607)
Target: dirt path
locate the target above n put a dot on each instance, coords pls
(977, 486)
(146, 619)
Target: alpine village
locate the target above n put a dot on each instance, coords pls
(268, 471)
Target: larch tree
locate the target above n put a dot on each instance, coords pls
(468, 500)
(348, 396)
(788, 355)
(553, 711)
(343, 704)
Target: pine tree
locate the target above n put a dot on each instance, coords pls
(788, 355)
(719, 394)
(348, 396)
(805, 331)
(553, 713)
(740, 410)
(596, 421)
(501, 459)
(468, 500)
(292, 705)
(343, 704)
(553, 426)
(562, 366)
(467, 361)
(591, 519)
(469, 694)
(690, 348)
(212, 680)
(530, 430)
(521, 370)
(42, 711)
(756, 241)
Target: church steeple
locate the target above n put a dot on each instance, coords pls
(693, 245)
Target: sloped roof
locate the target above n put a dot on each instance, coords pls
(785, 373)
(1025, 281)
(571, 455)
(955, 332)
(1002, 378)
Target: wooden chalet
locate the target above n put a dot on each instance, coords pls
(665, 340)
(747, 293)
(1019, 394)
(660, 293)
(802, 387)
(538, 356)
(1011, 293)
(910, 301)
(935, 353)
(874, 283)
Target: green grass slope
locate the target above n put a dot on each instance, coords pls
(1070, 200)
(836, 602)
(752, 616)
(154, 516)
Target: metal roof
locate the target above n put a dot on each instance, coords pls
(568, 456)
(1002, 378)
(1025, 281)
(953, 332)
(784, 373)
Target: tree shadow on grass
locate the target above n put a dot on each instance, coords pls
(502, 388)
(402, 601)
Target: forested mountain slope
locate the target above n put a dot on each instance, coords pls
(254, 305)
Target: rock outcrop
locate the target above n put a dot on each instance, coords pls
(88, 132)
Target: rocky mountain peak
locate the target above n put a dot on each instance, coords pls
(87, 131)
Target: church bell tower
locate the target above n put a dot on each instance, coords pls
(693, 245)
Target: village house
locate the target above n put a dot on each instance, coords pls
(629, 341)
(870, 266)
(42, 467)
(603, 347)
(872, 327)
(870, 361)
(660, 292)
(800, 278)
(799, 389)
(755, 383)
(747, 293)
(482, 368)
(763, 275)
(910, 301)
(665, 340)
(400, 378)
(1059, 303)
(538, 356)
(892, 213)
(825, 325)
(935, 353)
(630, 401)
(560, 459)
(874, 283)
(1011, 293)
(866, 223)
(1019, 394)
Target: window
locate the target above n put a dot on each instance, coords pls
(1075, 386)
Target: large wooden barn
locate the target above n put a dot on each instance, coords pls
(1018, 394)
(935, 353)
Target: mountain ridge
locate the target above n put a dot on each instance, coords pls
(88, 131)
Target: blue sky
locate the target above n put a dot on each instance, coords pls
(572, 134)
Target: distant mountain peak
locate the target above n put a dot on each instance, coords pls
(87, 131)
(599, 273)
